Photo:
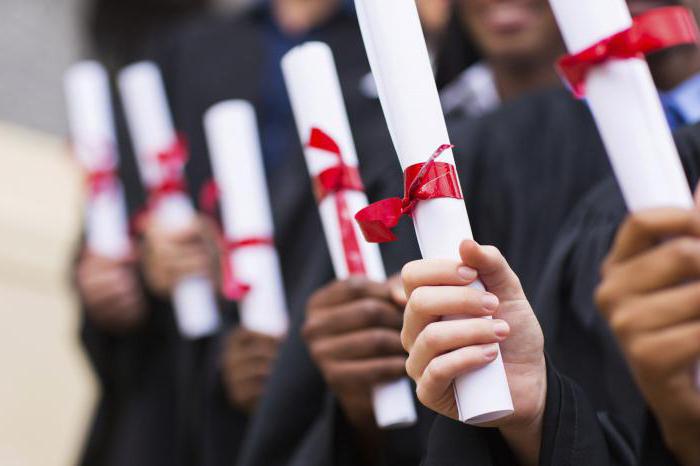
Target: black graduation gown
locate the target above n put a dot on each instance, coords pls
(214, 60)
(578, 338)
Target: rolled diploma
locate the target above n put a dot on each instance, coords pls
(152, 131)
(628, 112)
(317, 100)
(232, 134)
(90, 118)
(399, 58)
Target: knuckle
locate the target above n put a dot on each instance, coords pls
(493, 251)
(420, 299)
(411, 368)
(371, 311)
(437, 370)
(408, 272)
(355, 286)
(423, 395)
(638, 353)
(381, 341)
(636, 224)
(622, 322)
(333, 375)
(431, 336)
(686, 251)
(604, 297)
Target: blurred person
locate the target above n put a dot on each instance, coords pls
(518, 42)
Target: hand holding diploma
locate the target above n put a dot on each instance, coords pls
(608, 67)
(440, 350)
(649, 295)
(352, 331)
(324, 129)
(251, 268)
(162, 155)
(95, 145)
(399, 58)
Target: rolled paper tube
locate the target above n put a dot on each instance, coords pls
(159, 158)
(628, 112)
(232, 135)
(399, 59)
(314, 90)
(90, 117)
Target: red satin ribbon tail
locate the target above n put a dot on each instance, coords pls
(377, 220)
(234, 291)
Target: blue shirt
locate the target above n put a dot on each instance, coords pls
(682, 104)
(277, 119)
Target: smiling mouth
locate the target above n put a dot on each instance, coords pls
(509, 17)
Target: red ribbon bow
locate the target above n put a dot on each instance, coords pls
(652, 31)
(337, 180)
(422, 181)
(231, 287)
(172, 162)
(101, 180)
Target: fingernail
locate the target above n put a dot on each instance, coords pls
(489, 301)
(501, 329)
(491, 351)
(467, 273)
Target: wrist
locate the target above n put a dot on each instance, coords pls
(524, 436)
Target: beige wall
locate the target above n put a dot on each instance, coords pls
(46, 389)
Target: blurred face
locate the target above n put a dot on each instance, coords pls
(516, 31)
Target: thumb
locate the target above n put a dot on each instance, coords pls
(494, 271)
(697, 196)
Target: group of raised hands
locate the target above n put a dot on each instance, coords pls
(360, 333)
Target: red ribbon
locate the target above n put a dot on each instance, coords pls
(231, 287)
(336, 180)
(172, 162)
(652, 31)
(422, 181)
(101, 180)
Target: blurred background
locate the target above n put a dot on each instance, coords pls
(40, 196)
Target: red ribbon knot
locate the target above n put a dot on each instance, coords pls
(101, 180)
(422, 182)
(337, 180)
(171, 162)
(652, 31)
(231, 287)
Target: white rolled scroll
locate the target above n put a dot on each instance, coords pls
(234, 145)
(90, 117)
(628, 112)
(317, 100)
(152, 132)
(399, 59)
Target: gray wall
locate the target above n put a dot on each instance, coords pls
(38, 40)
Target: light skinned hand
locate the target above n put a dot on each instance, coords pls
(440, 351)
